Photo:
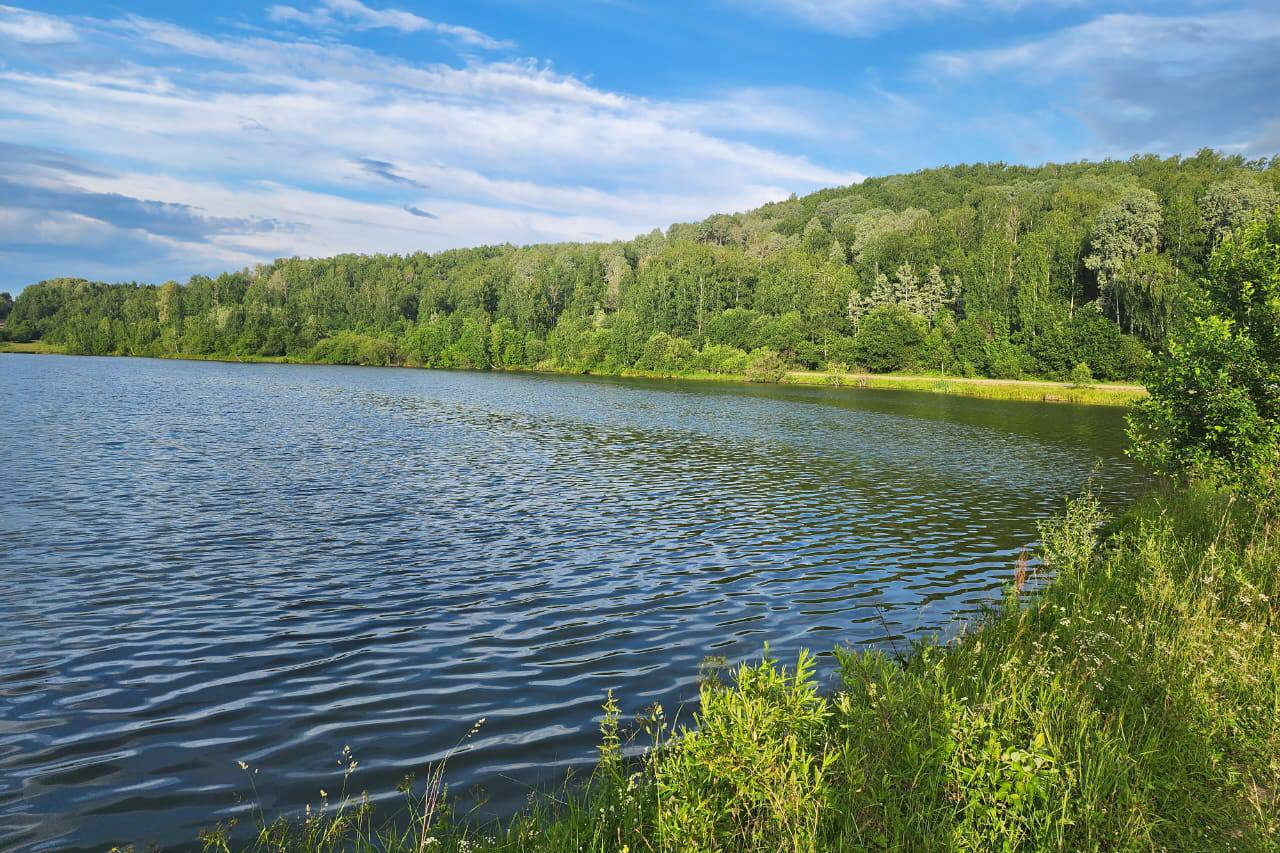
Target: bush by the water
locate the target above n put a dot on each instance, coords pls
(766, 365)
(1214, 408)
(350, 348)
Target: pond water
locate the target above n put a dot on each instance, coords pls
(208, 563)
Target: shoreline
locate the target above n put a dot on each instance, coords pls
(1023, 390)
(1117, 706)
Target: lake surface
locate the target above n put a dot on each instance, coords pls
(208, 563)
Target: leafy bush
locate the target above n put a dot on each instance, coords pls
(1206, 413)
(1215, 395)
(887, 339)
(1081, 375)
(721, 358)
(765, 365)
(752, 771)
(352, 348)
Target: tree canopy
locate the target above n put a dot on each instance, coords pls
(986, 269)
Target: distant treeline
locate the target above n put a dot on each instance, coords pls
(992, 270)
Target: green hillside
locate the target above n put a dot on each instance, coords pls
(984, 270)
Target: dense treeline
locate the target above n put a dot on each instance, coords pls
(993, 270)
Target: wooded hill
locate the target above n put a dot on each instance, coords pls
(989, 269)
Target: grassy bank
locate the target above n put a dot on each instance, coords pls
(32, 347)
(1131, 704)
(993, 389)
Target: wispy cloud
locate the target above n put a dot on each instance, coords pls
(333, 13)
(1148, 82)
(866, 17)
(388, 172)
(28, 27)
(166, 219)
(219, 151)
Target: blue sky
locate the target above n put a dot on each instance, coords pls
(153, 140)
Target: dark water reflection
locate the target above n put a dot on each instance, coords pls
(205, 563)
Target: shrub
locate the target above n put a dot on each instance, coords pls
(654, 352)
(888, 338)
(1081, 375)
(1215, 395)
(1005, 359)
(1206, 413)
(351, 348)
(721, 358)
(753, 771)
(766, 365)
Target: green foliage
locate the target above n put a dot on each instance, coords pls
(1005, 271)
(1124, 231)
(1214, 407)
(1231, 203)
(887, 339)
(752, 771)
(350, 348)
(721, 358)
(1081, 375)
(765, 365)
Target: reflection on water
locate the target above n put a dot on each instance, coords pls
(204, 563)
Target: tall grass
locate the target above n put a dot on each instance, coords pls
(1132, 704)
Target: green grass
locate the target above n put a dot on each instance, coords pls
(1099, 394)
(1131, 704)
(33, 347)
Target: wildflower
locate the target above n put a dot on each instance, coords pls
(243, 766)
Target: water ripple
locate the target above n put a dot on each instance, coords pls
(206, 563)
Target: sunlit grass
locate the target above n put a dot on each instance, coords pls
(991, 389)
(37, 347)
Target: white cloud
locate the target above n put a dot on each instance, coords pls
(329, 13)
(1168, 83)
(865, 17)
(27, 27)
(1190, 40)
(335, 144)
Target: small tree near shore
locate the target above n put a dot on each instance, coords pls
(766, 365)
(1214, 407)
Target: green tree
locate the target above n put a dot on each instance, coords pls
(1123, 231)
(888, 338)
(1228, 204)
(1214, 404)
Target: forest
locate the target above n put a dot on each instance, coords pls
(981, 270)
